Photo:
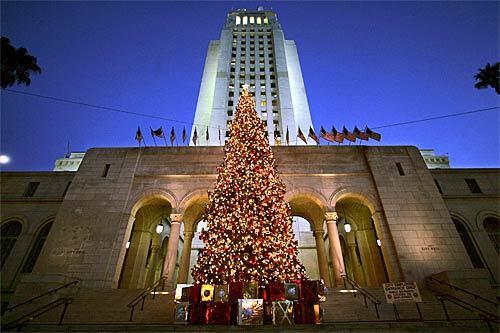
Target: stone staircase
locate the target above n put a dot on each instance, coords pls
(99, 310)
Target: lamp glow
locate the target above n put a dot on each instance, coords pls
(159, 228)
(347, 227)
(379, 243)
(4, 159)
(127, 245)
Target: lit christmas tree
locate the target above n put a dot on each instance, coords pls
(249, 235)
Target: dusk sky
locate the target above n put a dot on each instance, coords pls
(364, 63)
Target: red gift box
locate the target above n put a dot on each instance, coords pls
(277, 291)
(220, 313)
(194, 294)
(234, 313)
(306, 312)
(235, 291)
(310, 290)
(198, 314)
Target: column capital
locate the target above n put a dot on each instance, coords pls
(176, 218)
(188, 234)
(318, 234)
(331, 217)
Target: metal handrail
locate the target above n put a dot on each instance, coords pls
(364, 292)
(50, 292)
(142, 296)
(496, 304)
(19, 322)
(484, 315)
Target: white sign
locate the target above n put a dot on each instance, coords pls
(402, 292)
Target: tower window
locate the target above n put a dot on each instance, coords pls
(400, 169)
(31, 189)
(263, 103)
(245, 20)
(252, 20)
(473, 186)
(238, 20)
(106, 170)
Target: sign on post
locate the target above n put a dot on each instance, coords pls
(402, 292)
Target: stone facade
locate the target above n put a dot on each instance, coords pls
(95, 218)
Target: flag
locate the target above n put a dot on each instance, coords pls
(337, 136)
(313, 135)
(172, 136)
(348, 135)
(372, 134)
(138, 135)
(359, 134)
(158, 133)
(301, 135)
(195, 136)
(325, 135)
(184, 136)
(287, 136)
(207, 135)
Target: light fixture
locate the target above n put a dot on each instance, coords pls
(127, 245)
(159, 227)
(379, 243)
(347, 227)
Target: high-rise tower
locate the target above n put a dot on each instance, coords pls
(252, 50)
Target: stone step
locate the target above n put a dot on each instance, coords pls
(358, 326)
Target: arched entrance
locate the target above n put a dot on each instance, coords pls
(304, 234)
(360, 244)
(146, 248)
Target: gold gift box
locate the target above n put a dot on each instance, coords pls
(221, 293)
(250, 311)
(250, 290)
(207, 292)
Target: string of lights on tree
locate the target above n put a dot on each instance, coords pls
(249, 235)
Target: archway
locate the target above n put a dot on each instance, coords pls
(146, 247)
(468, 242)
(363, 259)
(304, 235)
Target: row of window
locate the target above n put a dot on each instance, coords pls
(251, 29)
(9, 233)
(244, 20)
(471, 184)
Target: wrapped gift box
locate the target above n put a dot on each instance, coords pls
(306, 313)
(268, 313)
(235, 291)
(182, 292)
(250, 290)
(250, 312)
(277, 291)
(181, 313)
(198, 313)
(194, 293)
(291, 291)
(221, 293)
(220, 313)
(310, 291)
(282, 313)
(207, 293)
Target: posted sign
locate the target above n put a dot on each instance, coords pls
(402, 292)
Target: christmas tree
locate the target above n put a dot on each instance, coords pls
(249, 235)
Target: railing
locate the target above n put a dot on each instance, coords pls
(484, 315)
(366, 295)
(38, 312)
(465, 291)
(50, 292)
(142, 297)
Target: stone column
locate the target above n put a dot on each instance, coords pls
(335, 248)
(322, 261)
(388, 249)
(185, 258)
(173, 244)
(153, 261)
(357, 273)
(136, 260)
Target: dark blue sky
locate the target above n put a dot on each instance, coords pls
(372, 63)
